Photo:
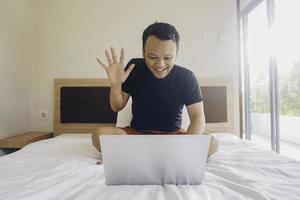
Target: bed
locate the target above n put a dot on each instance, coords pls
(64, 167)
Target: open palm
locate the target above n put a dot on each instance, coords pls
(115, 70)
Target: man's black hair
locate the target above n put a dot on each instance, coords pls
(162, 31)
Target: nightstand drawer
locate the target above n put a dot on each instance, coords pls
(20, 141)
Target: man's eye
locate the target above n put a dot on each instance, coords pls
(167, 58)
(152, 58)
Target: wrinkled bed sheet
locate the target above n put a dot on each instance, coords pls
(65, 167)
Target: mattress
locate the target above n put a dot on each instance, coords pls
(65, 167)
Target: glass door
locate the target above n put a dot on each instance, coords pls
(256, 75)
(271, 71)
(287, 34)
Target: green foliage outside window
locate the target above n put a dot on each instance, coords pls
(289, 93)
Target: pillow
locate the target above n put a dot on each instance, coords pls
(125, 115)
(185, 119)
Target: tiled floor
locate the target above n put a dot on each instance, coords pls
(286, 148)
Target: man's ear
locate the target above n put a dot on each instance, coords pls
(177, 52)
(143, 53)
(176, 56)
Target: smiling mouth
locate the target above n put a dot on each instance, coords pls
(160, 70)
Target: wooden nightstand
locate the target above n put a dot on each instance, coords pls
(20, 141)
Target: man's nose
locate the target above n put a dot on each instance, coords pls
(160, 63)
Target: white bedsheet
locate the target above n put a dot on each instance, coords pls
(65, 168)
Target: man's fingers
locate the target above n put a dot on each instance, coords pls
(122, 57)
(130, 68)
(108, 58)
(114, 55)
(102, 64)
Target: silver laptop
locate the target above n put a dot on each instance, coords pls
(154, 159)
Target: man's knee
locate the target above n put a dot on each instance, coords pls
(95, 136)
(99, 130)
(104, 130)
(213, 146)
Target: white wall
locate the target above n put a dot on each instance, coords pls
(70, 34)
(16, 59)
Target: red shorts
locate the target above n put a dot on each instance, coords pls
(131, 131)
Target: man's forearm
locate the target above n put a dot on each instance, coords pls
(116, 98)
(196, 126)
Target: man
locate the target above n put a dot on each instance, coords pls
(159, 88)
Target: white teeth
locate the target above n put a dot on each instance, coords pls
(160, 70)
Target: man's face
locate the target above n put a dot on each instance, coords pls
(160, 56)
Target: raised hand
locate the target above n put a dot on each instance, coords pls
(115, 70)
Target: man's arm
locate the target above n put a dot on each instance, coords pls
(117, 98)
(197, 125)
(197, 118)
(116, 76)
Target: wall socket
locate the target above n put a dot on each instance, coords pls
(43, 114)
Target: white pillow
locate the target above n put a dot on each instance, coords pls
(125, 115)
(185, 119)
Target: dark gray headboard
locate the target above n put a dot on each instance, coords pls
(215, 103)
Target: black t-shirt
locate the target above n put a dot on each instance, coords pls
(157, 103)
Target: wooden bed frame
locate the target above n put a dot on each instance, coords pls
(60, 128)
